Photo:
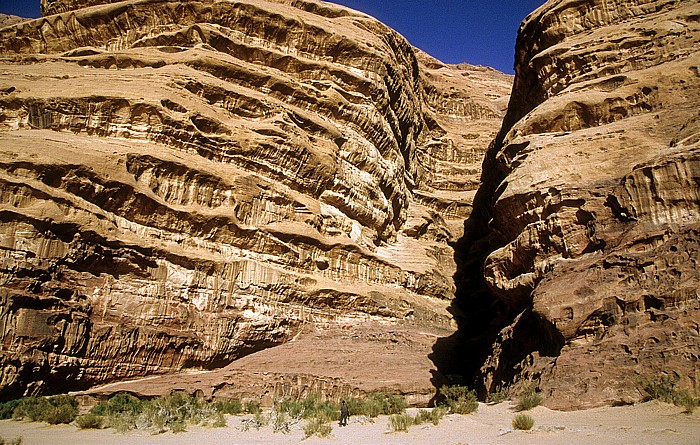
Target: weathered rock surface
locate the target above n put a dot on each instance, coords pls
(184, 183)
(587, 225)
(7, 20)
(338, 360)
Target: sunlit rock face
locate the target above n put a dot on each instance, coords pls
(187, 182)
(7, 20)
(591, 203)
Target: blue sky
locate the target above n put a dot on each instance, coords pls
(481, 32)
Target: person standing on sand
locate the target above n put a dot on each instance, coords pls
(344, 413)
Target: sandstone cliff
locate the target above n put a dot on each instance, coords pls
(184, 183)
(587, 224)
(7, 20)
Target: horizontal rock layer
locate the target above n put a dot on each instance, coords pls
(7, 20)
(186, 183)
(588, 218)
(338, 360)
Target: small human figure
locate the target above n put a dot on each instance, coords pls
(344, 413)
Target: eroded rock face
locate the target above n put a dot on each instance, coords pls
(589, 216)
(7, 20)
(187, 182)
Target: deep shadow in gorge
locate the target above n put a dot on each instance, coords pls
(479, 315)
(492, 340)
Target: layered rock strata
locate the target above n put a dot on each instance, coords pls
(7, 20)
(336, 360)
(185, 183)
(586, 227)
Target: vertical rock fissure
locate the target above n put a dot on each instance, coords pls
(585, 212)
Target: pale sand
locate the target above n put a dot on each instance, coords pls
(649, 423)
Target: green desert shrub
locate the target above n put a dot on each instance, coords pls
(31, 408)
(89, 421)
(665, 390)
(53, 410)
(228, 406)
(523, 422)
(401, 422)
(312, 406)
(293, 408)
(219, 420)
(311, 403)
(252, 407)
(497, 397)
(15, 441)
(65, 409)
(376, 404)
(460, 399)
(528, 400)
(316, 427)
(124, 422)
(433, 416)
(120, 412)
(364, 407)
(121, 403)
(61, 414)
(7, 408)
(390, 403)
(685, 400)
(662, 390)
(170, 412)
(177, 426)
(422, 417)
(124, 412)
(326, 411)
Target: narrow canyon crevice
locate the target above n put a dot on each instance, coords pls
(578, 268)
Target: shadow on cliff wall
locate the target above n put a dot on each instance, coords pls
(479, 315)
(492, 340)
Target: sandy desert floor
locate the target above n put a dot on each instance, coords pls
(649, 423)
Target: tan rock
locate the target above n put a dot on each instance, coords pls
(592, 203)
(7, 20)
(185, 183)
